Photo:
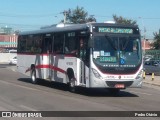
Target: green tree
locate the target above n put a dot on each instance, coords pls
(78, 16)
(122, 20)
(156, 44)
(91, 19)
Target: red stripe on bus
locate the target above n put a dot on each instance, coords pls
(48, 66)
(32, 54)
(51, 67)
(42, 66)
(58, 69)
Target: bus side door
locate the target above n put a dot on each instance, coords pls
(84, 56)
(47, 54)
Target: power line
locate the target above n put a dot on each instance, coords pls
(13, 24)
(103, 16)
(64, 12)
(27, 16)
(152, 18)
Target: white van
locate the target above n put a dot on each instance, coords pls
(12, 51)
(13, 61)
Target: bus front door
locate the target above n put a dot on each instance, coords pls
(83, 52)
(47, 57)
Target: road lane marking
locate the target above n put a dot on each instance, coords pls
(5, 82)
(13, 68)
(29, 88)
(43, 91)
(47, 92)
(28, 108)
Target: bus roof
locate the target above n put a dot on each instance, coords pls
(72, 27)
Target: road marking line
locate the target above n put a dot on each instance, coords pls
(5, 82)
(28, 108)
(29, 88)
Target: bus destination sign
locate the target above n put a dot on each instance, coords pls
(115, 30)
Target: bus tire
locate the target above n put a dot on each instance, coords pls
(72, 80)
(33, 76)
(72, 85)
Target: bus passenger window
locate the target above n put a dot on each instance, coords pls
(58, 43)
(59, 48)
(71, 43)
(47, 45)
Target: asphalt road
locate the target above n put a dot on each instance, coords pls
(17, 93)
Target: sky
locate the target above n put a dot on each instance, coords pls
(25, 15)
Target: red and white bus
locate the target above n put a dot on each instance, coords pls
(93, 55)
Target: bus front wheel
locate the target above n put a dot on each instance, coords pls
(33, 76)
(72, 85)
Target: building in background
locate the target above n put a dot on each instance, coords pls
(146, 44)
(8, 42)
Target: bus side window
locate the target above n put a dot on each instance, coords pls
(47, 45)
(58, 43)
(38, 44)
(83, 47)
(22, 44)
(84, 50)
(71, 42)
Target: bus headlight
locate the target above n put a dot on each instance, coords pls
(139, 74)
(96, 74)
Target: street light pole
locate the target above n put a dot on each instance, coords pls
(144, 36)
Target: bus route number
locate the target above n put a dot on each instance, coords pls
(69, 63)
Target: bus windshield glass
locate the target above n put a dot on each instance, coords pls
(115, 52)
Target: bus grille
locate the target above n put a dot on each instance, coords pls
(113, 83)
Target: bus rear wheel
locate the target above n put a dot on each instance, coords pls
(33, 76)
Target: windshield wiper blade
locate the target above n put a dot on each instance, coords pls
(126, 43)
(110, 42)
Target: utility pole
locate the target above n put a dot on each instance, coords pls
(144, 36)
(65, 12)
(65, 15)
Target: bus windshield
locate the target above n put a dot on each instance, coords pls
(120, 53)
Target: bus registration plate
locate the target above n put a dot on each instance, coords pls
(119, 86)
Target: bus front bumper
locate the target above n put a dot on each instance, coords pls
(102, 83)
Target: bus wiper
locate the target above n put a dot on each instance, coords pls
(110, 42)
(126, 43)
